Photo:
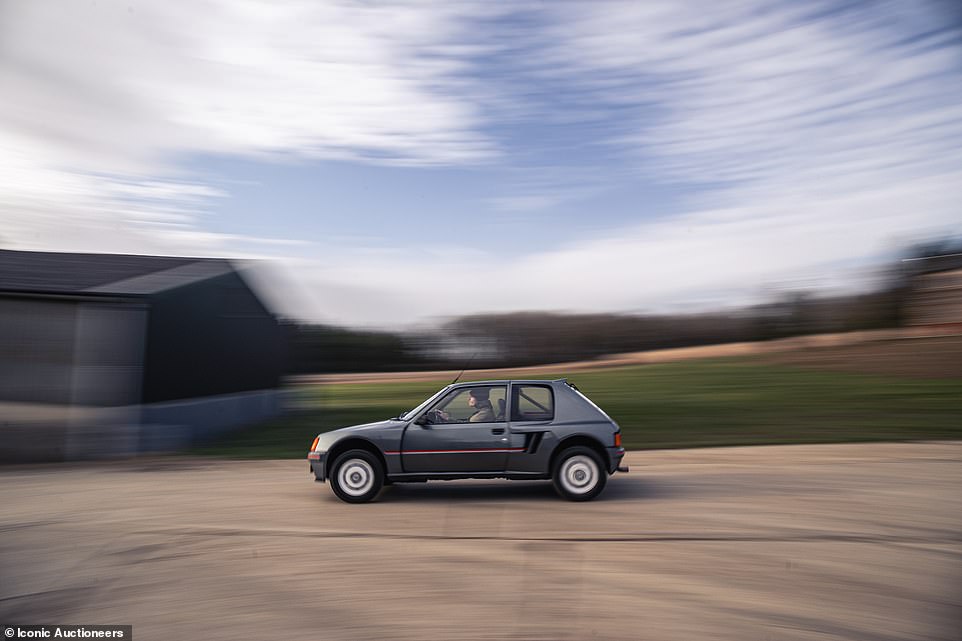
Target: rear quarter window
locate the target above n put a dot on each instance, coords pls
(532, 403)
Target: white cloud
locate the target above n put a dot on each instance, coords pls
(103, 99)
(325, 79)
(765, 95)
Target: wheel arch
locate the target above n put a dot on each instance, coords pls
(575, 440)
(354, 443)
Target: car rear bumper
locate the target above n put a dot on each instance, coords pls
(615, 454)
(318, 462)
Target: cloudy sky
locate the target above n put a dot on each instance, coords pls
(403, 161)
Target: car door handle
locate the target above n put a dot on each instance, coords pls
(497, 430)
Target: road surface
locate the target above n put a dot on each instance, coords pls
(860, 542)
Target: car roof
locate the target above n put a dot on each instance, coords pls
(505, 381)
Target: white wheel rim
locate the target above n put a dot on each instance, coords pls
(579, 474)
(356, 477)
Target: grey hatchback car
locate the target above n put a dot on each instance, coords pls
(517, 429)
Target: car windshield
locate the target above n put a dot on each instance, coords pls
(417, 410)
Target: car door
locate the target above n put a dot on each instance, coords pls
(532, 414)
(460, 436)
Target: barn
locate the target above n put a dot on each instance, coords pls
(105, 355)
(935, 297)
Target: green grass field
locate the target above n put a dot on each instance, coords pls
(685, 404)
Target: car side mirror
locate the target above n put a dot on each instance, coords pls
(423, 421)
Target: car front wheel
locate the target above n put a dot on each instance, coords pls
(357, 476)
(578, 474)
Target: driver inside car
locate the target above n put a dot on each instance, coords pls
(480, 400)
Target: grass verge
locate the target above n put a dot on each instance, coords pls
(672, 405)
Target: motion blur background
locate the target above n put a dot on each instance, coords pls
(387, 186)
(228, 225)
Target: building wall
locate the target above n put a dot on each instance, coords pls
(99, 378)
(174, 425)
(936, 298)
(70, 378)
(109, 354)
(71, 352)
(57, 432)
(36, 350)
(211, 338)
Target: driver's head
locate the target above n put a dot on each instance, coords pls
(478, 394)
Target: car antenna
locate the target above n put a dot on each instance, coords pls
(458, 377)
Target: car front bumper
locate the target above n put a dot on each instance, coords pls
(318, 461)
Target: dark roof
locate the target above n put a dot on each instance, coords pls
(117, 274)
(931, 264)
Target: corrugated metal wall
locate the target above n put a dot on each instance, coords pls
(68, 352)
(37, 340)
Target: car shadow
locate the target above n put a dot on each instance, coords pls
(618, 489)
(468, 491)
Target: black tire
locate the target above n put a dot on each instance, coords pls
(579, 474)
(357, 476)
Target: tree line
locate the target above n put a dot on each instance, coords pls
(532, 338)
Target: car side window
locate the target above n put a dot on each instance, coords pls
(481, 404)
(532, 403)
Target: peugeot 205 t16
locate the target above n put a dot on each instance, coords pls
(487, 429)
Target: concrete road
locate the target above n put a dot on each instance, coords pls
(857, 542)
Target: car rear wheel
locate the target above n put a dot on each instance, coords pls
(357, 476)
(578, 474)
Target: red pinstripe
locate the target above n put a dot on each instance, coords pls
(481, 451)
